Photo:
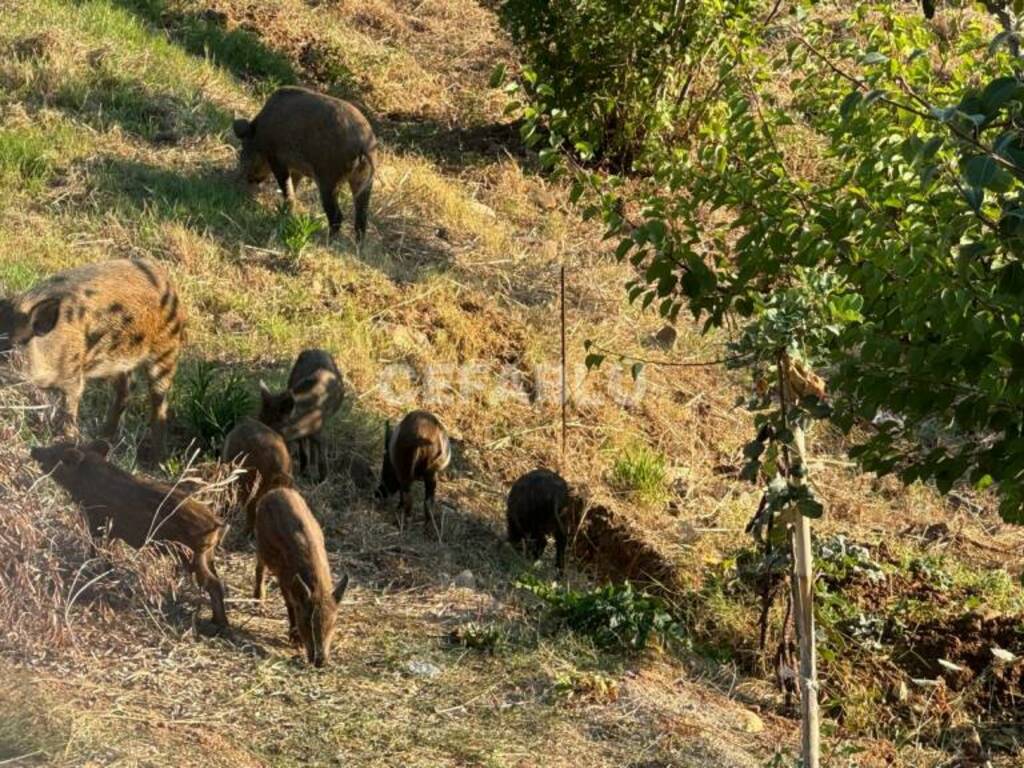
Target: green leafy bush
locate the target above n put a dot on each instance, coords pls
(210, 401)
(613, 616)
(608, 75)
(889, 158)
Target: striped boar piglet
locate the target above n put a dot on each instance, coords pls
(315, 392)
(417, 449)
(290, 543)
(263, 455)
(99, 321)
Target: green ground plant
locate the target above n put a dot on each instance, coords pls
(614, 616)
(210, 401)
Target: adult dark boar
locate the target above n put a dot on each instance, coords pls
(417, 449)
(138, 510)
(290, 543)
(264, 456)
(315, 391)
(537, 508)
(98, 321)
(302, 133)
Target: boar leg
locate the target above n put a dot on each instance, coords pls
(560, 551)
(120, 399)
(293, 628)
(329, 199)
(405, 496)
(72, 396)
(207, 579)
(303, 455)
(284, 179)
(160, 378)
(316, 444)
(361, 190)
(257, 591)
(429, 488)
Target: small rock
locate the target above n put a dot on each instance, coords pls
(666, 337)
(422, 669)
(751, 723)
(1003, 656)
(899, 692)
(465, 580)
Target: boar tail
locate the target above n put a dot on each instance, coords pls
(365, 168)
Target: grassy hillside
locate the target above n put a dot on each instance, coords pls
(115, 141)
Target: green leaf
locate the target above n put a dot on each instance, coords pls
(999, 41)
(849, 104)
(810, 507)
(1000, 91)
(636, 369)
(497, 75)
(983, 172)
(872, 96)
(593, 360)
(875, 57)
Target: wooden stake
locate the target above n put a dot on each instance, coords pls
(802, 582)
(803, 601)
(565, 398)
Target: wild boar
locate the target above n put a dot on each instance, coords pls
(314, 393)
(138, 510)
(418, 449)
(537, 508)
(99, 321)
(265, 458)
(290, 543)
(300, 133)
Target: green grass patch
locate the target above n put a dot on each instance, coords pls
(18, 276)
(642, 472)
(297, 230)
(25, 156)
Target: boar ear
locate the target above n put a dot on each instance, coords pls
(100, 447)
(339, 589)
(72, 457)
(287, 404)
(242, 128)
(44, 316)
(303, 587)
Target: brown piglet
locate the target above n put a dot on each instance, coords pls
(417, 449)
(99, 321)
(315, 391)
(138, 510)
(290, 543)
(264, 457)
(303, 133)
